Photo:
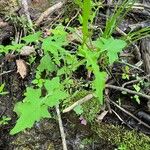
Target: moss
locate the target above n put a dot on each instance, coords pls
(119, 136)
(115, 135)
(90, 108)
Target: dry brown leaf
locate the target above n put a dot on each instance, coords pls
(21, 68)
(27, 50)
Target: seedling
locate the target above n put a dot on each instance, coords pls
(4, 120)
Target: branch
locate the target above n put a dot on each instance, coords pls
(26, 10)
(79, 102)
(63, 137)
(127, 90)
(90, 96)
(137, 80)
(50, 10)
(128, 113)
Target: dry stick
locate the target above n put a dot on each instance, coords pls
(63, 137)
(90, 96)
(127, 90)
(79, 102)
(137, 5)
(26, 10)
(6, 72)
(128, 113)
(48, 12)
(137, 80)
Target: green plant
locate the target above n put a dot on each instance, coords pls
(126, 71)
(19, 22)
(54, 56)
(122, 147)
(4, 120)
(137, 88)
(54, 75)
(2, 90)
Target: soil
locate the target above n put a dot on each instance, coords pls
(117, 127)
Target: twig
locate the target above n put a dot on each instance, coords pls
(127, 90)
(139, 5)
(128, 113)
(6, 72)
(48, 12)
(107, 100)
(118, 116)
(72, 19)
(26, 10)
(130, 65)
(63, 137)
(79, 102)
(90, 96)
(137, 80)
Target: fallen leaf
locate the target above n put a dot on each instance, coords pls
(21, 68)
(27, 50)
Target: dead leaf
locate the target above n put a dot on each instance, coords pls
(21, 68)
(27, 50)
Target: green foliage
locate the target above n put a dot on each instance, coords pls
(46, 64)
(120, 11)
(78, 109)
(13, 47)
(4, 120)
(54, 75)
(32, 38)
(126, 72)
(30, 110)
(36, 106)
(86, 13)
(2, 92)
(122, 147)
(62, 63)
(111, 46)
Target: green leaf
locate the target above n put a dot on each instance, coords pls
(55, 97)
(100, 77)
(2, 49)
(91, 57)
(53, 84)
(99, 85)
(32, 38)
(54, 43)
(86, 10)
(137, 87)
(46, 64)
(2, 87)
(78, 110)
(30, 110)
(137, 99)
(112, 46)
(55, 92)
